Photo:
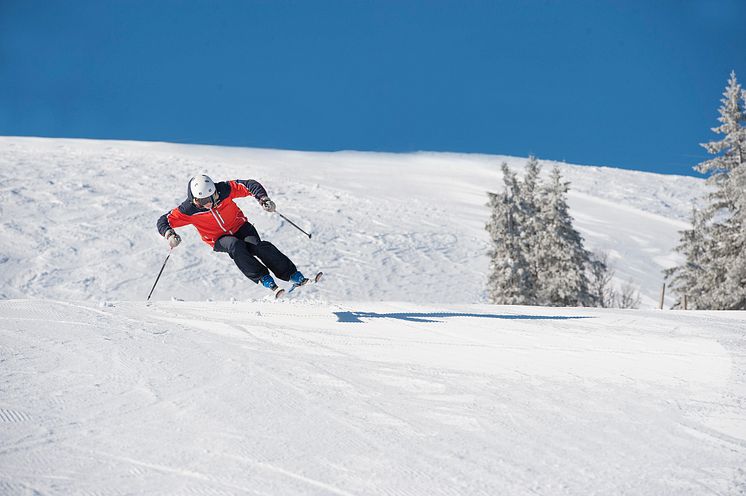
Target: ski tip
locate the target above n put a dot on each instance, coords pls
(318, 277)
(279, 294)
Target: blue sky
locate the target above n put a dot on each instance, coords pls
(633, 84)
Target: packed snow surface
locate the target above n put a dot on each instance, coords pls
(392, 376)
(304, 397)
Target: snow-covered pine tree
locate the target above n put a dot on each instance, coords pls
(529, 201)
(730, 152)
(563, 260)
(735, 285)
(698, 275)
(510, 280)
(728, 172)
(715, 247)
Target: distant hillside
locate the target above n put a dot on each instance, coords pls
(78, 220)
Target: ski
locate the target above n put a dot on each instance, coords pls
(312, 280)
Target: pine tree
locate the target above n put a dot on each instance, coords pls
(529, 202)
(537, 256)
(698, 275)
(730, 152)
(563, 260)
(510, 281)
(714, 274)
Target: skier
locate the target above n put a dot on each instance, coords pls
(210, 207)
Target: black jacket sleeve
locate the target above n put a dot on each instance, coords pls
(256, 189)
(163, 224)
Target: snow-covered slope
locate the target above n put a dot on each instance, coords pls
(211, 398)
(391, 377)
(78, 220)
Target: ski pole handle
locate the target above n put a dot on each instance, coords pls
(159, 274)
(294, 225)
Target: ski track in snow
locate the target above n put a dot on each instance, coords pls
(390, 377)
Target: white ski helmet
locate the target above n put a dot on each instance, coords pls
(201, 186)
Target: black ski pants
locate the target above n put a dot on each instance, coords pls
(245, 247)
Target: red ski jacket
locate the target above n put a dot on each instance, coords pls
(224, 218)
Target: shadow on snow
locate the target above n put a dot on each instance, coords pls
(355, 317)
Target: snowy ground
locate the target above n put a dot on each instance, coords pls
(369, 398)
(390, 377)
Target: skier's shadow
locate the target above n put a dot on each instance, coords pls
(356, 317)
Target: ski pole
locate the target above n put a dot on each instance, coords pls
(294, 225)
(159, 274)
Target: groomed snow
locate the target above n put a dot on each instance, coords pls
(368, 398)
(391, 377)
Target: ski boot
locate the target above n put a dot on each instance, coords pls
(298, 279)
(269, 283)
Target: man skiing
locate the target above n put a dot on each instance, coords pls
(210, 207)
